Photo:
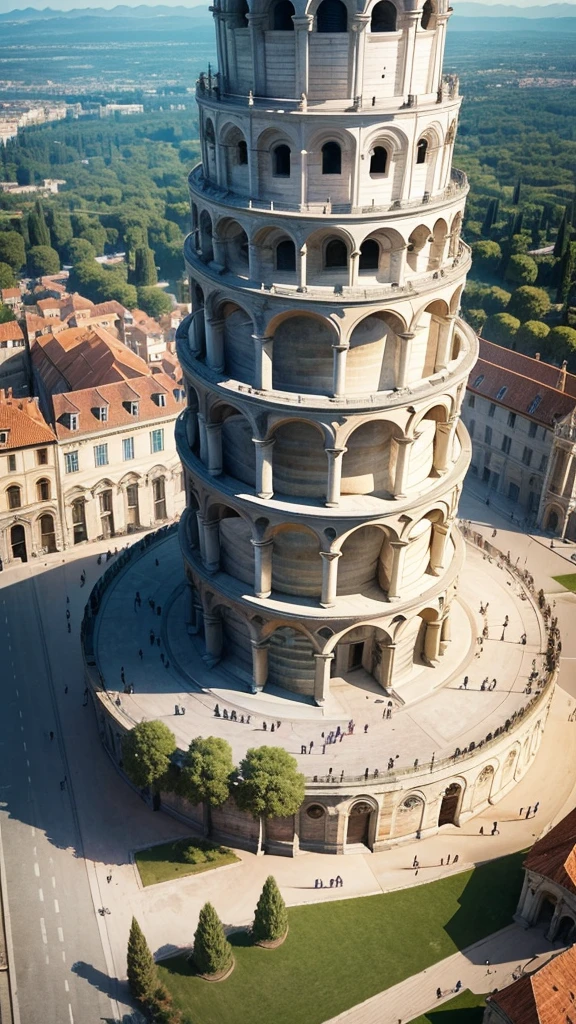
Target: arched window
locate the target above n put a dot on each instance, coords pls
(240, 14)
(14, 497)
(79, 521)
(286, 255)
(209, 132)
(331, 158)
(378, 160)
(242, 152)
(43, 490)
(159, 496)
(336, 255)
(427, 13)
(421, 151)
(47, 534)
(332, 16)
(283, 13)
(281, 161)
(369, 255)
(383, 17)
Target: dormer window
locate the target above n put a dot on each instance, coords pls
(103, 413)
(73, 420)
(133, 408)
(161, 400)
(502, 392)
(3, 437)
(478, 381)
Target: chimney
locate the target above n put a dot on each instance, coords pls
(561, 385)
(537, 356)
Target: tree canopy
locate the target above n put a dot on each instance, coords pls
(146, 753)
(270, 784)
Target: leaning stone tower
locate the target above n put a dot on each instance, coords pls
(325, 362)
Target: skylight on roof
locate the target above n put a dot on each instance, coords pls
(534, 403)
(502, 392)
(478, 381)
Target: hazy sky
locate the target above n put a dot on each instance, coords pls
(68, 5)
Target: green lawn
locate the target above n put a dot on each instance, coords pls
(568, 581)
(467, 1008)
(167, 861)
(338, 954)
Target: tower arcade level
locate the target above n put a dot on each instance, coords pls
(325, 362)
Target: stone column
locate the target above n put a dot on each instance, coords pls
(405, 355)
(334, 475)
(214, 446)
(303, 178)
(322, 677)
(403, 446)
(440, 534)
(339, 376)
(444, 445)
(264, 485)
(387, 665)
(398, 265)
(432, 641)
(411, 19)
(254, 269)
(358, 26)
(215, 343)
(256, 25)
(203, 438)
(302, 253)
(263, 348)
(218, 248)
(302, 26)
(446, 331)
(329, 577)
(213, 638)
(566, 473)
(556, 918)
(259, 664)
(263, 567)
(353, 268)
(398, 557)
(212, 545)
(197, 616)
(193, 531)
(201, 536)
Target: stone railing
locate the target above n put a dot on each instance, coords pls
(211, 190)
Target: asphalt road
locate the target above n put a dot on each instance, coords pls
(60, 969)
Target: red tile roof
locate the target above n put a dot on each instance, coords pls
(81, 357)
(115, 396)
(48, 304)
(24, 422)
(554, 856)
(11, 293)
(530, 385)
(548, 996)
(11, 331)
(36, 323)
(535, 369)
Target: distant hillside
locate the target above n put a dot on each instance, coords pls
(142, 13)
(474, 10)
(545, 26)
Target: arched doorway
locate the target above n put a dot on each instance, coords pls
(552, 521)
(79, 521)
(47, 534)
(18, 542)
(566, 933)
(358, 830)
(450, 806)
(546, 911)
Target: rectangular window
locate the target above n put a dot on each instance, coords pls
(543, 463)
(73, 420)
(104, 413)
(71, 462)
(12, 463)
(157, 440)
(511, 419)
(471, 427)
(506, 444)
(162, 401)
(101, 455)
(532, 430)
(471, 401)
(41, 456)
(133, 408)
(527, 456)
(128, 448)
(488, 435)
(491, 410)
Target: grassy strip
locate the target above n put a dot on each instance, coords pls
(568, 581)
(466, 1008)
(339, 954)
(184, 857)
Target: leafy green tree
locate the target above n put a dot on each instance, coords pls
(113, 286)
(146, 753)
(529, 303)
(141, 969)
(486, 256)
(271, 917)
(60, 227)
(42, 259)
(563, 236)
(270, 785)
(212, 952)
(561, 344)
(206, 775)
(154, 301)
(531, 337)
(501, 329)
(496, 300)
(6, 315)
(519, 244)
(12, 250)
(521, 269)
(476, 318)
(37, 226)
(78, 250)
(7, 279)
(144, 268)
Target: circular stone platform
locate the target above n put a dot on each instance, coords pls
(436, 755)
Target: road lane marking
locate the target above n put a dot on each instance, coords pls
(35, 851)
(43, 930)
(61, 935)
(70, 1012)
(37, 869)
(33, 831)
(66, 985)
(41, 895)
(20, 713)
(47, 958)
(64, 956)
(56, 907)
(29, 780)
(27, 763)
(53, 882)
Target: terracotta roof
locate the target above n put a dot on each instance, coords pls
(24, 422)
(11, 293)
(43, 304)
(79, 357)
(532, 397)
(36, 323)
(115, 397)
(535, 369)
(109, 307)
(554, 855)
(548, 996)
(11, 331)
(74, 302)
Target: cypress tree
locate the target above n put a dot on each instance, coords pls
(488, 219)
(566, 271)
(142, 975)
(37, 227)
(516, 192)
(212, 951)
(563, 236)
(144, 269)
(518, 222)
(271, 917)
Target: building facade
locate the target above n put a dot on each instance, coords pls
(548, 897)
